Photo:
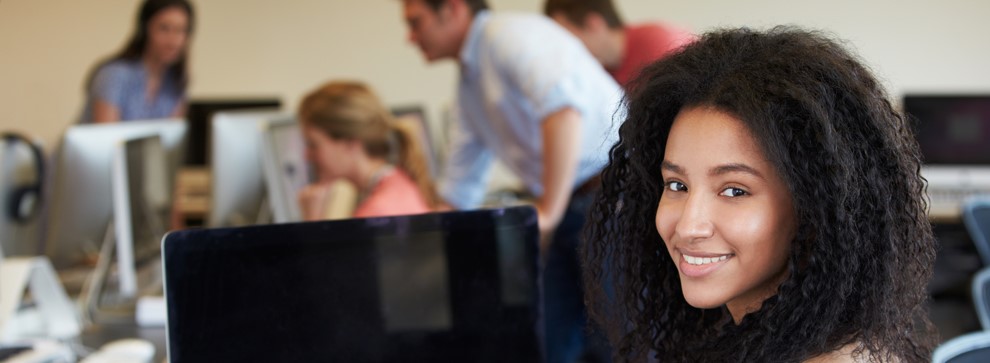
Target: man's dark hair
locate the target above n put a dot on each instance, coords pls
(475, 5)
(577, 10)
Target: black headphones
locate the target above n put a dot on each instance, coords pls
(24, 201)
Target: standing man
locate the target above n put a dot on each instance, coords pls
(531, 95)
(622, 49)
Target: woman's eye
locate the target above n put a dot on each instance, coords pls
(675, 186)
(732, 192)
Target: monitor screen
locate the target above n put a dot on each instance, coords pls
(201, 112)
(81, 206)
(238, 195)
(286, 170)
(951, 130)
(446, 287)
(141, 213)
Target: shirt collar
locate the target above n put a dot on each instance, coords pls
(469, 52)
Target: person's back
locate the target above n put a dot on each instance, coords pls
(622, 49)
(395, 193)
(646, 43)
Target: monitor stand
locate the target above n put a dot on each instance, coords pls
(101, 303)
(55, 310)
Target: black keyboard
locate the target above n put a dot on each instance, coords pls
(10, 352)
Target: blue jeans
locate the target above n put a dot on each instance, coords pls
(565, 318)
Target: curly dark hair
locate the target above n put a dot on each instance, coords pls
(863, 252)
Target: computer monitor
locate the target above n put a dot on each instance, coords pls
(81, 205)
(201, 112)
(238, 191)
(445, 287)
(286, 169)
(141, 213)
(953, 132)
(952, 129)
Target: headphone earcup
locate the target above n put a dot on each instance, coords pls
(23, 204)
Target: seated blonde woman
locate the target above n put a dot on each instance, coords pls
(351, 136)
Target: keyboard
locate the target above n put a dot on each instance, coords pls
(12, 351)
(947, 203)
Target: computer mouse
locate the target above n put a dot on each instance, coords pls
(129, 350)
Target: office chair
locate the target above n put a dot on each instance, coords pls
(969, 348)
(981, 297)
(976, 217)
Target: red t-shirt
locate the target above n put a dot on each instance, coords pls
(395, 194)
(645, 43)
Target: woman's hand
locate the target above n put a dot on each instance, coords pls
(313, 201)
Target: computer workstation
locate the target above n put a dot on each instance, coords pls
(953, 132)
(81, 207)
(240, 193)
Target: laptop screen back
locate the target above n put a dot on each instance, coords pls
(454, 287)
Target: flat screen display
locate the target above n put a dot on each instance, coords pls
(445, 287)
(951, 130)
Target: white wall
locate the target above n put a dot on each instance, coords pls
(285, 48)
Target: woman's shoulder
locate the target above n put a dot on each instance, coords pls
(115, 72)
(118, 66)
(395, 194)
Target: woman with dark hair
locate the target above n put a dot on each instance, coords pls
(148, 78)
(763, 204)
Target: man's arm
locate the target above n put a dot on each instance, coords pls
(467, 167)
(561, 150)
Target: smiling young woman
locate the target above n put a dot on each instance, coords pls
(725, 215)
(764, 203)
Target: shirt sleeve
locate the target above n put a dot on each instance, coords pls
(467, 168)
(108, 84)
(544, 68)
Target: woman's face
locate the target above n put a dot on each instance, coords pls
(332, 158)
(168, 32)
(725, 215)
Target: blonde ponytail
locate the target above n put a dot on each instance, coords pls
(411, 158)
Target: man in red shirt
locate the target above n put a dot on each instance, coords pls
(622, 49)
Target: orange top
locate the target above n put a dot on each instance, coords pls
(395, 194)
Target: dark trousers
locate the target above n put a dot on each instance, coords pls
(565, 318)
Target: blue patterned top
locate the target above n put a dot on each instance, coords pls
(123, 84)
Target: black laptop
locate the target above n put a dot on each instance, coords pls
(445, 287)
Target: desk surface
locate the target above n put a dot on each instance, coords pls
(95, 336)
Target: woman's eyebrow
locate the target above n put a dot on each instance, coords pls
(671, 167)
(735, 168)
